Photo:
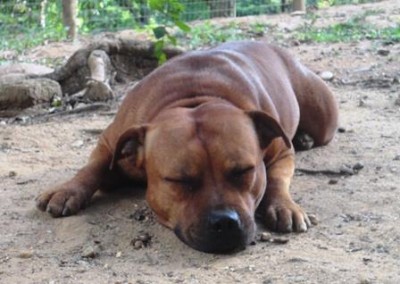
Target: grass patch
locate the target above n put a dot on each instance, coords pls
(207, 34)
(27, 38)
(355, 29)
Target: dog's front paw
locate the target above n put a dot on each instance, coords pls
(285, 216)
(61, 202)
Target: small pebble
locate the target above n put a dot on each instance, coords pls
(280, 240)
(333, 181)
(12, 174)
(313, 219)
(326, 75)
(345, 169)
(89, 252)
(265, 237)
(25, 254)
(144, 238)
(138, 244)
(77, 144)
(361, 103)
(396, 158)
(341, 130)
(358, 166)
(80, 105)
(141, 241)
(384, 52)
(118, 255)
(139, 214)
(397, 101)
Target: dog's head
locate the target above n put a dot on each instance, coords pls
(205, 171)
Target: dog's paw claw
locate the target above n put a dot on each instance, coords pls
(286, 217)
(60, 203)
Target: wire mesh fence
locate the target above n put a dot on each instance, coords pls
(37, 20)
(110, 14)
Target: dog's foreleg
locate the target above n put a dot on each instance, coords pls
(279, 211)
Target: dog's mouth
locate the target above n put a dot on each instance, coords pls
(222, 237)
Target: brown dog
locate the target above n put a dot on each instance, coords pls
(210, 132)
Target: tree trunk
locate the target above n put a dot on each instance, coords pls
(299, 5)
(104, 61)
(43, 5)
(69, 17)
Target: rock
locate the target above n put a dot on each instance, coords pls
(341, 130)
(326, 75)
(137, 244)
(333, 181)
(140, 214)
(12, 78)
(280, 240)
(26, 93)
(396, 158)
(141, 241)
(345, 169)
(361, 102)
(80, 105)
(89, 252)
(118, 254)
(296, 43)
(358, 166)
(313, 219)
(24, 69)
(25, 254)
(12, 174)
(397, 101)
(265, 237)
(145, 238)
(77, 144)
(383, 52)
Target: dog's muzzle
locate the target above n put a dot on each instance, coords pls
(220, 231)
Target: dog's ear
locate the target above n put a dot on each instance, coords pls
(267, 128)
(130, 145)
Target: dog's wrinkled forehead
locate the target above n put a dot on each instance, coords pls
(183, 138)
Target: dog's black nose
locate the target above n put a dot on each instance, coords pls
(224, 232)
(219, 231)
(224, 222)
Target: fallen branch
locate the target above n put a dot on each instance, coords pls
(123, 59)
(321, 172)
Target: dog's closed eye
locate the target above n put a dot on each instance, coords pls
(188, 183)
(239, 175)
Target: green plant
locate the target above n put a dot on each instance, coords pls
(356, 28)
(22, 25)
(207, 33)
(168, 16)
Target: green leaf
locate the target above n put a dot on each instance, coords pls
(156, 4)
(172, 39)
(162, 58)
(159, 52)
(183, 26)
(160, 32)
(158, 47)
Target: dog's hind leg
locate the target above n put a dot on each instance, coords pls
(318, 111)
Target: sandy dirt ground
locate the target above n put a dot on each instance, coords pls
(117, 240)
